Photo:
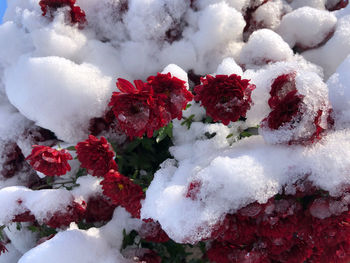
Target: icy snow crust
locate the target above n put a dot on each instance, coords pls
(234, 176)
(57, 76)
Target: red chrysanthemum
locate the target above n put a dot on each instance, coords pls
(27, 216)
(13, 160)
(285, 111)
(134, 108)
(122, 191)
(226, 98)
(49, 161)
(73, 213)
(171, 92)
(228, 253)
(280, 87)
(300, 122)
(96, 155)
(77, 15)
(152, 231)
(99, 208)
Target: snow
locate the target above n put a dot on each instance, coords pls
(58, 76)
(306, 26)
(234, 176)
(339, 94)
(332, 54)
(34, 85)
(258, 52)
(74, 245)
(16, 200)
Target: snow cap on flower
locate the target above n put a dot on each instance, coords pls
(49, 161)
(300, 109)
(76, 14)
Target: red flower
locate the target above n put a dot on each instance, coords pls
(149, 257)
(288, 113)
(228, 253)
(171, 92)
(280, 87)
(13, 160)
(49, 161)
(134, 108)
(285, 111)
(27, 216)
(3, 249)
(73, 213)
(122, 191)
(77, 15)
(96, 155)
(152, 231)
(99, 209)
(226, 98)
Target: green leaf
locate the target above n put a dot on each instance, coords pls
(208, 119)
(188, 105)
(34, 229)
(188, 121)
(49, 180)
(245, 134)
(147, 144)
(229, 136)
(132, 145)
(18, 226)
(71, 148)
(129, 239)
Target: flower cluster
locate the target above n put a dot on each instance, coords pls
(313, 228)
(226, 98)
(76, 14)
(149, 106)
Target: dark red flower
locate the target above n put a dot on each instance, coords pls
(73, 213)
(228, 253)
(3, 249)
(13, 160)
(134, 108)
(152, 231)
(27, 216)
(280, 87)
(99, 208)
(149, 256)
(171, 92)
(122, 191)
(49, 161)
(96, 155)
(285, 111)
(333, 6)
(226, 98)
(77, 15)
(288, 113)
